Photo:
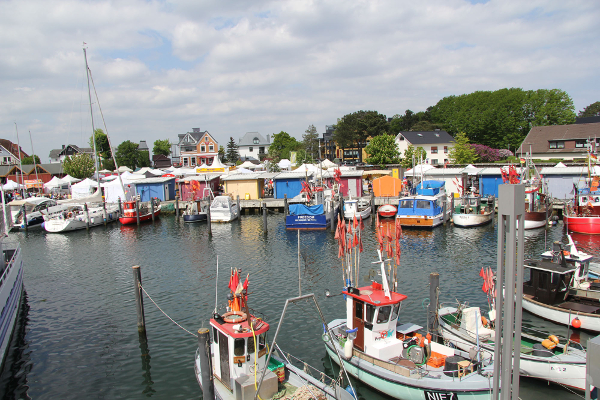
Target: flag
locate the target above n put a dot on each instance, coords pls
(235, 281)
(482, 273)
(355, 243)
(362, 224)
(484, 287)
(522, 160)
(337, 229)
(245, 286)
(231, 285)
(355, 222)
(389, 234)
(360, 245)
(593, 156)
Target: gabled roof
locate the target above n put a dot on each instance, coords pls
(12, 148)
(55, 153)
(248, 139)
(429, 137)
(539, 136)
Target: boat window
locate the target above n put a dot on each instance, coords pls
(251, 345)
(423, 204)
(406, 204)
(370, 313)
(384, 314)
(555, 278)
(358, 309)
(238, 347)
(395, 312)
(262, 340)
(527, 277)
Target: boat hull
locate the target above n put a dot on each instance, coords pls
(387, 211)
(59, 224)
(421, 221)
(561, 369)
(589, 322)
(589, 225)
(471, 220)
(143, 218)
(365, 213)
(195, 217)
(11, 295)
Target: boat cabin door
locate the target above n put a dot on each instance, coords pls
(359, 323)
(224, 359)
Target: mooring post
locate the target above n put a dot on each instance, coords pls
(206, 377)
(445, 210)
(24, 217)
(104, 212)
(332, 215)
(137, 210)
(285, 204)
(87, 216)
(509, 274)
(341, 206)
(237, 200)
(152, 208)
(452, 203)
(208, 220)
(434, 284)
(177, 207)
(139, 300)
(120, 207)
(373, 209)
(264, 209)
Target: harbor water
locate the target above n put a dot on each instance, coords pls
(77, 335)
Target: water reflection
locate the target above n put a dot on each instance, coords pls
(147, 382)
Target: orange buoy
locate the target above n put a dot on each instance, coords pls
(576, 323)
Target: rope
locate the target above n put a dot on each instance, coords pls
(172, 320)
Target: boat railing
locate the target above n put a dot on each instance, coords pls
(10, 263)
(307, 368)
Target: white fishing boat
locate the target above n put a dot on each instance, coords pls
(11, 286)
(395, 357)
(357, 208)
(223, 209)
(551, 359)
(241, 363)
(473, 211)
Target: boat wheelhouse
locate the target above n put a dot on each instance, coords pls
(425, 209)
(147, 211)
(583, 214)
(473, 211)
(357, 208)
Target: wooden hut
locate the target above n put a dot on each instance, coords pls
(194, 187)
(247, 186)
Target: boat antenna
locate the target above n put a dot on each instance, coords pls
(20, 164)
(217, 286)
(37, 179)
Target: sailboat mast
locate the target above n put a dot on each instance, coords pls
(87, 71)
(20, 164)
(37, 179)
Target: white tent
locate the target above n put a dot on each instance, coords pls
(470, 170)
(418, 169)
(143, 171)
(69, 179)
(124, 168)
(247, 164)
(53, 183)
(243, 171)
(560, 165)
(113, 189)
(11, 185)
(284, 164)
(83, 189)
(307, 167)
(328, 164)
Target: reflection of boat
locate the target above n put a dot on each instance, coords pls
(223, 209)
(145, 209)
(426, 208)
(195, 212)
(11, 287)
(562, 363)
(241, 363)
(473, 211)
(359, 208)
(387, 211)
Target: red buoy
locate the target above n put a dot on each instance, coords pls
(576, 323)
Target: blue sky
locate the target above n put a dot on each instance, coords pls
(162, 68)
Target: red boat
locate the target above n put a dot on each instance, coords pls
(589, 225)
(583, 214)
(387, 211)
(130, 215)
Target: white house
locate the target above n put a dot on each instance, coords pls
(436, 143)
(253, 146)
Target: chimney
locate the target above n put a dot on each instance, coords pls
(63, 146)
(196, 130)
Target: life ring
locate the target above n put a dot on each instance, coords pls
(234, 317)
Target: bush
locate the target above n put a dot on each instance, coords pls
(505, 153)
(485, 153)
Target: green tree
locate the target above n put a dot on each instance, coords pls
(128, 154)
(419, 154)
(102, 145)
(462, 152)
(79, 166)
(282, 145)
(222, 153)
(233, 155)
(310, 141)
(162, 147)
(382, 150)
(593, 110)
(353, 130)
(425, 126)
(303, 157)
(29, 160)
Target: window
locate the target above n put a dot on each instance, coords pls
(193, 161)
(401, 137)
(423, 204)
(434, 161)
(527, 277)
(406, 204)
(445, 149)
(238, 347)
(560, 145)
(250, 347)
(185, 161)
(433, 149)
(358, 309)
(370, 313)
(554, 278)
(250, 149)
(262, 340)
(580, 143)
(211, 148)
(203, 149)
(255, 140)
(215, 335)
(383, 315)
(261, 150)
(552, 145)
(395, 311)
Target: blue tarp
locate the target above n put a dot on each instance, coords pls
(489, 185)
(430, 188)
(289, 186)
(301, 209)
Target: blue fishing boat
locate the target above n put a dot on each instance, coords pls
(426, 208)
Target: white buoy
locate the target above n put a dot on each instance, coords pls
(348, 348)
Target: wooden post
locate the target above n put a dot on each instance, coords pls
(373, 208)
(452, 204)
(152, 208)
(24, 212)
(104, 212)
(177, 207)
(332, 215)
(285, 205)
(208, 221)
(264, 207)
(434, 284)
(87, 216)
(137, 210)
(139, 300)
(237, 199)
(206, 376)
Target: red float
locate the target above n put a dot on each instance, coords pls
(576, 323)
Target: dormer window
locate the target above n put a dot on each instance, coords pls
(255, 140)
(580, 143)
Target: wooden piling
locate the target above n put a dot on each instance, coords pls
(237, 200)
(87, 216)
(285, 205)
(152, 208)
(208, 221)
(264, 210)
(139, 300)
(137, 211)
(373, 209)
(332, 215)
(177, 207)
(104, 212)
(434, 284)
(120, 207)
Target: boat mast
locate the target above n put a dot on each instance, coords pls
(87, 71)
(37, 179)
(20, 164)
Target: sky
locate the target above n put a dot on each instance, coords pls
(161, 68)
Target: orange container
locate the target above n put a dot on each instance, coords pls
(436, 360)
